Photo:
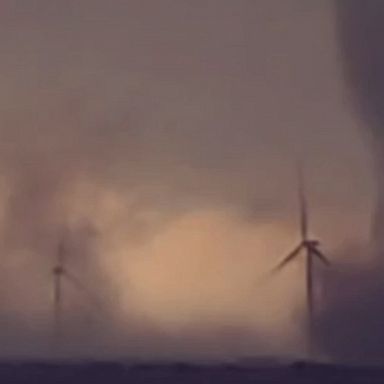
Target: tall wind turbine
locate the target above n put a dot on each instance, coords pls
(60, 275)
(310, 248)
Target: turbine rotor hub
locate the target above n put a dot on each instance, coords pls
(312, 243)
(58, 270)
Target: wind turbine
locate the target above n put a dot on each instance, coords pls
(60, 275)
(310, 248)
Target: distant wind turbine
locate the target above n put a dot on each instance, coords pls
(60, 275)
(310, 248)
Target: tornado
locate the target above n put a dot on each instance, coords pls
(360, 25)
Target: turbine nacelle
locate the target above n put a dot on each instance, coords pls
(311, 243)
(58, 270)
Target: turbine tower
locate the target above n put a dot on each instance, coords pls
(310, 248)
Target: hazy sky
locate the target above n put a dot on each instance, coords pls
(170, 129)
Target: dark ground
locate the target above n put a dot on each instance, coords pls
(112, 373)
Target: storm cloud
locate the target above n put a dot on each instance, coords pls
(159, 136)
(350, 327)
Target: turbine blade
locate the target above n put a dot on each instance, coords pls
(320, 256)
(62, 248)
(288, 258)
(80, 286)
(302, 202)
(61, 252)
